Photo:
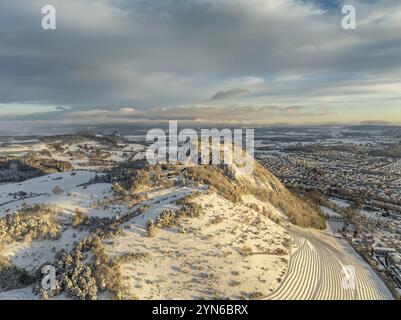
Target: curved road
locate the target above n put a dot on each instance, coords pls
(318, 270)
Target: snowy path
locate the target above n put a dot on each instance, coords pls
(316, 272)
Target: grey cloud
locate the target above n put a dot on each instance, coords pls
(192, 113)
(109, 54)
(62, 108)
(225, 94)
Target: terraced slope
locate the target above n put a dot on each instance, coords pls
(317, 272)
(23, 294)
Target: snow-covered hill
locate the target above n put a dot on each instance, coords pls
(155, 233)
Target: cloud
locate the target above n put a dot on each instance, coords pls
(375, 122)
(225, 94)
(62, 108)
(108, 54)
(128, 110)
(201, 113)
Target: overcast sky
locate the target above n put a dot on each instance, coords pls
(230, 61)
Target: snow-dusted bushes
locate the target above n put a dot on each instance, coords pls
(266, 188)
(192, 210)
(140, 180)
(132, 256)
(299, 210)
(212, 176)
(151, 229)
(86, 280)
(170, 218)
(75, 277)
(39, 221)
(167, 219)
(78, 218)
(12, 277)
(57, 190)
(106, 271)
(120, 195)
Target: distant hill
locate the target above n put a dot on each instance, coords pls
(366, 127)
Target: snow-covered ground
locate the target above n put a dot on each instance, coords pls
(205, 259)
(375, 215)
(330, 212)
(339, 202)
(31, 255)
(79, 154)
(22, 149)
(40, 191)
